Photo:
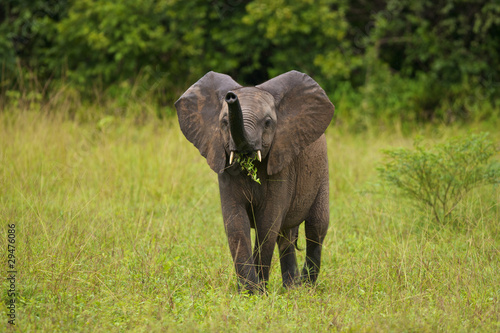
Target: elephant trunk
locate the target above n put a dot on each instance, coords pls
(236, 125)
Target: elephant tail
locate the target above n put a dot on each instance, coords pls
(297, 245)
(296, 242)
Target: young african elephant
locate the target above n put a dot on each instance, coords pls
(280, 125)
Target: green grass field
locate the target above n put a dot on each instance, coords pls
(118, 228)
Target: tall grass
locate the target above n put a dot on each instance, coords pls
(119, 229)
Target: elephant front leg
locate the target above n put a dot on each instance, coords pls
(265, 241)
(238, 234)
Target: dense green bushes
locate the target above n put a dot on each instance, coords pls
(378, 60)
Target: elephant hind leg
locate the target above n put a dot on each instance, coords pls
(316, 226)
(287, 241)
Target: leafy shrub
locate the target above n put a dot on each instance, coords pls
(439, 177)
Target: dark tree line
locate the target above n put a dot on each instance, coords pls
(384, 59)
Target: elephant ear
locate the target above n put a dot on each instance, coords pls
(303, 111)
(198, 111)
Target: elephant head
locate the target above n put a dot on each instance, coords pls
(274, 121)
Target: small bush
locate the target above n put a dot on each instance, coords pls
(440, 177)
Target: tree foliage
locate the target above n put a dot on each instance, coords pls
(384, 59)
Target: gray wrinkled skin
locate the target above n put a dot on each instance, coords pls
(284, 118)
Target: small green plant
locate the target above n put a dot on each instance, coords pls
(440, 176)
(247, 164)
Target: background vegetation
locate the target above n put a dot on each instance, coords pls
(118, 222)
(380, 61)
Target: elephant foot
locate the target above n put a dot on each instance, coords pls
(308, 276)
(251, 288)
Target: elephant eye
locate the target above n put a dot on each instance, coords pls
(268, 123)
(224, 122)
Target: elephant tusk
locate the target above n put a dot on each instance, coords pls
(231, 157)
(259, 156)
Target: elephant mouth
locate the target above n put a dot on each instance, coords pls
(253, 155)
